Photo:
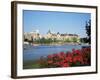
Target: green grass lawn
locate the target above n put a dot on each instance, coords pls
(31, 65)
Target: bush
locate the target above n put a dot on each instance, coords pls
(79, 57)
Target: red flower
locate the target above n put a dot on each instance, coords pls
(65, 65)
(49, 62)
(68, 59)
(49, 56)
(62, 53)
(55, 55)
(76, 57)
(57, 63)
(73, 49)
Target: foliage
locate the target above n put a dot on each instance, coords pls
(74, 39)
(84, 40)
(49, 40)
(88, 31)
(67, 40)
(26, 40)
(80, 57)
(43, 40)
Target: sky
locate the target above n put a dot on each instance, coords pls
(62, 22)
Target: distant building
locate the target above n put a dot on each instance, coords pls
(63, 37)
(27, 36)
(35, 35)
(51, 35)
(32, 35)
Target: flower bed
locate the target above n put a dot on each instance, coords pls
(79, 57)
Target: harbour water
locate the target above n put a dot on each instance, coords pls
(32, 53)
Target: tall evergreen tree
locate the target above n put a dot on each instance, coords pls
(88, 31)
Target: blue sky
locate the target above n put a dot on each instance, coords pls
(63, 22)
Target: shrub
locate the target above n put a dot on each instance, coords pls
(79, 57)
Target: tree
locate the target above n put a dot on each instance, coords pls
(26, 40)
(83, 40)
(88, 31)
(74, 40)
(67, 40)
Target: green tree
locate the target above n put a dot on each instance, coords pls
(83, 40)
(74, 39)
(67, 40)
(26, 40)
(88, 31)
